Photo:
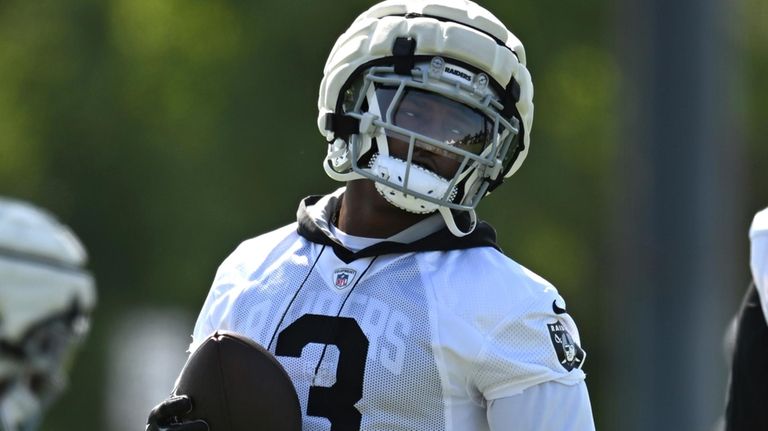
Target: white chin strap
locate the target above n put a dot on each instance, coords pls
(451, 223)
(420, 181)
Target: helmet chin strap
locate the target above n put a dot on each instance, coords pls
(450, 222)
(420, 180)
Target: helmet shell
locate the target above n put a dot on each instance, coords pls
(454, 29)
(41, 269)
(45, 298)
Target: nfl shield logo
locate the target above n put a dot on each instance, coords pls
(342, 277)
(569, 354)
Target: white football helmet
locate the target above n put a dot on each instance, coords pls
(444, 76)
(45, 299)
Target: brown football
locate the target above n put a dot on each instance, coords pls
(237, 385)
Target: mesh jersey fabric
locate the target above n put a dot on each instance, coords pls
(424, 338)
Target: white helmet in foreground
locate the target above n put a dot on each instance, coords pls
(448, 60)
(45, 299)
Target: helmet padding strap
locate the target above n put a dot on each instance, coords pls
(341, 125)
(402, 53)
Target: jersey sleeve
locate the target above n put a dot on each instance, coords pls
(527, 349)
(211, 317)
(547, 406)
(501, 327)
(232, 276)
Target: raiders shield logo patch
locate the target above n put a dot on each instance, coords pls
(342, 277)
(568, 352)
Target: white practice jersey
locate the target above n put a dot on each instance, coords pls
(758, 235)
(389, 339)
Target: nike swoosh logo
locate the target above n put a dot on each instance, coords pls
(557, 309)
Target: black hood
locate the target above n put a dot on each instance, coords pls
(484, 235)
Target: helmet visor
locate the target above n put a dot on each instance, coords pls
(436, 117)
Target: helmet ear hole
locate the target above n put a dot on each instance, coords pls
(351, 94)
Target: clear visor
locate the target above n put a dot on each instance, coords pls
(436, 117)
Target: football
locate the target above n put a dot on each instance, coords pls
(237, 385)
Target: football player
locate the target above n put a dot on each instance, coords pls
(748, 388)
(46, 296)
(388, 303)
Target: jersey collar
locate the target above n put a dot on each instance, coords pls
(315, 213)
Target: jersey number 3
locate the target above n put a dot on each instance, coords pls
(337, 402)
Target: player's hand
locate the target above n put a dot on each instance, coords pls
(165, 416)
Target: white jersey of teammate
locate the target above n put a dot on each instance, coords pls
(402, 334)
(758, 235)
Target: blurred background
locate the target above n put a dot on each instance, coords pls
(167, 131)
